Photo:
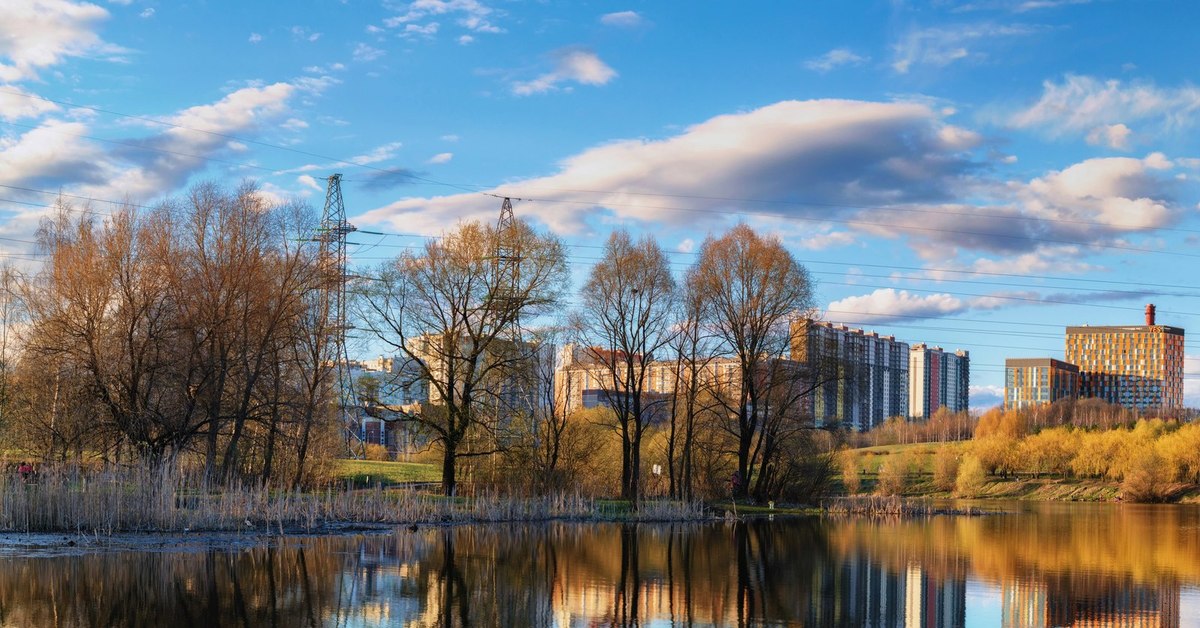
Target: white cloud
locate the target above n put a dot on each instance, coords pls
(1087, 105)
(441, 158)
(984, 397)
(255, 38)
(1113, 135)
(294, 124)
(835, 58)
(571, 64)
(17, 103)
(473, 15)
(463, 40)
(889, 304)
(829, 152)
(380, 153)
(941, 46)
(36, 34)
(364, 52)
(622, 19)
(450, 138)
(51, 153)
(417, 30)
(687, 245)
(308, 181)
(823, 241)
(1120, 193)
(302, 33)
(148, 12)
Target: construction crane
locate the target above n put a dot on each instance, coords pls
(332, 237)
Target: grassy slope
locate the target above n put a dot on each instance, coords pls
(921, 455)
(371, 472)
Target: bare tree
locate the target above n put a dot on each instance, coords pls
(627, 314)
(10, 317)
(453, 310)
(693, 351)
(750, 288)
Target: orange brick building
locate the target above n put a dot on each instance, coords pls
(1139, 367)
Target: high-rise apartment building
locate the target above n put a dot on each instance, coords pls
(1139, 367)
(937, 379)
(861, 377)
(1030, 382)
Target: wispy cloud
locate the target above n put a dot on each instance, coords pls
(575, 65)
(1101, 110)
(473, 15)
(441, 158)
(622, 19)
(835, 58)
(944, 45)
(366, 52)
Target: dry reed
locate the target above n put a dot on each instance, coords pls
(121, 500)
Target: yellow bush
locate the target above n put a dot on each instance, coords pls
(893, 475)
(377, 452)
(1048, 451)
(851, 474)
(1180, 451)
(945, 468)
(971, 478)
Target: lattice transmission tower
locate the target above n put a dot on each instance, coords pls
(507, 262)
(332, 237)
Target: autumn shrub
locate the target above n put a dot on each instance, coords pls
(945, 468)
(1146, 477)
(377, 452)
(1097, 453)
(1048, 451)
(894, 475)
(971, 478)
(995, 452)
(851, 473)
(1180, 451)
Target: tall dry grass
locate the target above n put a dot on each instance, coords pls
(136, 500)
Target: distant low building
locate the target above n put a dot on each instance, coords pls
(1030, 382)
(937, 379)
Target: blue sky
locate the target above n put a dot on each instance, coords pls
(971, 174)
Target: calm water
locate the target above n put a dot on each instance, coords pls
(1051, 565)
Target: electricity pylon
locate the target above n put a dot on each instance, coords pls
(332, 236)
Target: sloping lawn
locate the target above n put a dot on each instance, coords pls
(371, 472)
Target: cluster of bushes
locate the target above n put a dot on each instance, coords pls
(1145, 459)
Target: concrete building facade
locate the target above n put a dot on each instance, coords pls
(861, 378)
(1139, 367)
(1030, 382)
(937, 379)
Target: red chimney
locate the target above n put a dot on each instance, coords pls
(1149, 314)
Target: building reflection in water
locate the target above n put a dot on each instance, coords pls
(796, 573)
(1089, 601)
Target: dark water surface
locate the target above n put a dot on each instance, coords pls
(1049, 565)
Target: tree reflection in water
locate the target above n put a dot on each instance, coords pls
(1093, 565)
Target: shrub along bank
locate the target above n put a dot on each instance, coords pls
(1151, 461)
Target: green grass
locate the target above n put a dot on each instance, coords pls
(372, 472)
(919, 454)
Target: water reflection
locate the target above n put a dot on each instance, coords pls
(1099, 565)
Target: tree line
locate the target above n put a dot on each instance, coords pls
(193, 332)
(199, 332)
